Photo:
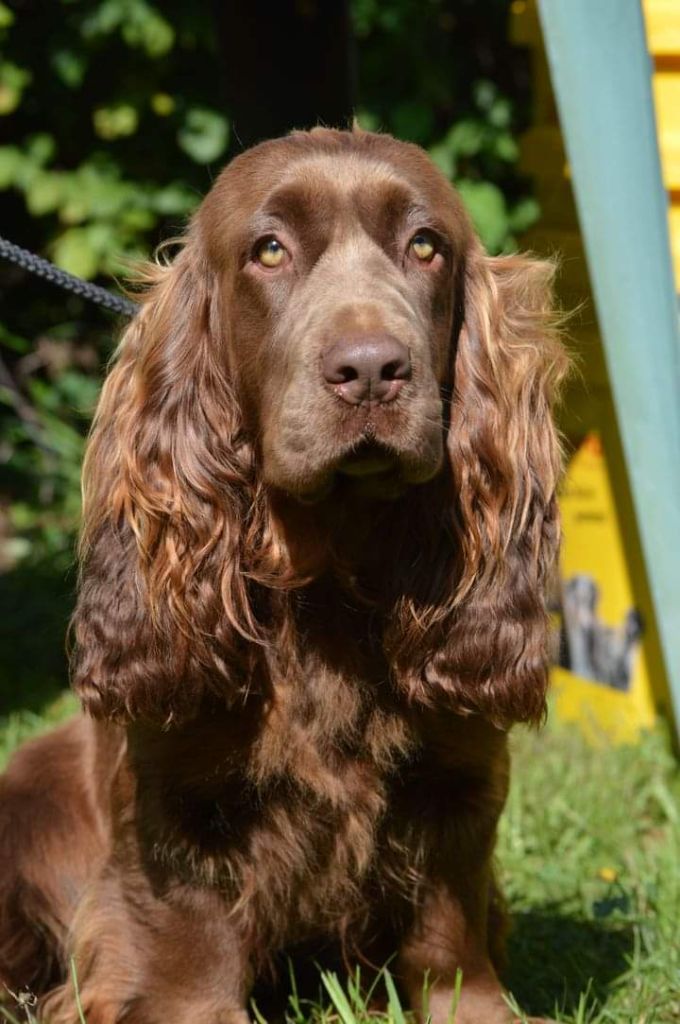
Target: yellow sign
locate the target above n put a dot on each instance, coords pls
(602, 681)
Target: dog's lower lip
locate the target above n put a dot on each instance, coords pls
(367, 462)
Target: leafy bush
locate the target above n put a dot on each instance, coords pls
(106, 133)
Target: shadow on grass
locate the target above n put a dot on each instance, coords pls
(35, 606)
(554, 958)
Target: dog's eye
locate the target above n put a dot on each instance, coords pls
(270, 253)
(423, 247)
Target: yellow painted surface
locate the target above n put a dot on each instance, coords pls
(593, 550)
(662, 19)
(667, 102)
(674, 221)
(662, 22)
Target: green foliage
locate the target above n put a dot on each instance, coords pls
(109, 133)
(204, 135)
(589, 863)
(23, 725)
(106, 159)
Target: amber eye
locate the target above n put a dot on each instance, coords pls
(423, 247)
(270, 253)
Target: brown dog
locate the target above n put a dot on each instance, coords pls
(319, 516)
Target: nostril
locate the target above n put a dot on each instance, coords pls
(396, 370)
(341, 373)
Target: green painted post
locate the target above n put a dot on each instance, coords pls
(601, 73)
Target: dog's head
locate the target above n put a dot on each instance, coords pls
(331, 326)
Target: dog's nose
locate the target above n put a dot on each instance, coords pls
(369, 369)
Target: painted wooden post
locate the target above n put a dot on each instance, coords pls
(601, 74)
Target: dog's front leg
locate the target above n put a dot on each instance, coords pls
(450, 809)
(448, 935)
(141, 957)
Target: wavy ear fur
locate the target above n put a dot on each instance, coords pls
(168, 484)
(485, 629)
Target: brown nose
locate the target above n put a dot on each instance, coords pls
(370, 369)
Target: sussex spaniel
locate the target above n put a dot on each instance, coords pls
(319, 517)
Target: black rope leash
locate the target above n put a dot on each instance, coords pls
(85, 289)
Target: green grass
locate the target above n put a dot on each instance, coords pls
(589, 858)
(22, 725)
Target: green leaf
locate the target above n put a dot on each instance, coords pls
(10, 160)
(500, 112)
(44, 193)
(204, 135)
(524, 214)
(137, 218)
(174, 199)
(6, 16)
(466, 138)
(13, 81)
(162, 104)
(486, 205)
(148, 29)
(73, 251)
(367, 119)
(445, 158)
(141, 25)
(115, 122)
(505, 147)
(41, 148)
(76, 208)
(70, 67)
(104, 19)
(101, 190)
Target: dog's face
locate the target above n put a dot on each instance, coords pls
(338, 273)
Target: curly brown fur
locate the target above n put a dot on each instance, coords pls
(304, 625)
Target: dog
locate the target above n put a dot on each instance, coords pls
(319, 522)
(605, 654)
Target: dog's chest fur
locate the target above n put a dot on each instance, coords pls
(283, 803)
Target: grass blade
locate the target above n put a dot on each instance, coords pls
(394, 1007)
(76, 990)
(338, 998)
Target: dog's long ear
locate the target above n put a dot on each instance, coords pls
(486, 627)
(163, 607)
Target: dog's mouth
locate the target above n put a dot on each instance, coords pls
(368, 459)
(370, 468)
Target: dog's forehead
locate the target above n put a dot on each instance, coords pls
(388, 179)
(333, 191)
(356, 178)
(345, 173)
